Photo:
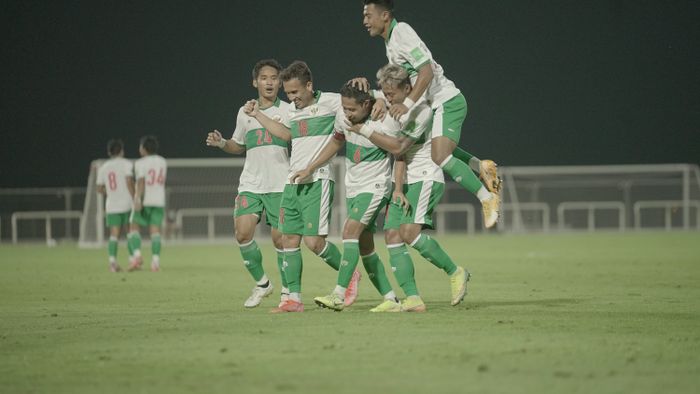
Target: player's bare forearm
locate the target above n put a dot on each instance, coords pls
(274, 127)
(425, 78)
(399, 172)
(395, 146)
(233, 148)
(326, 154)
(102, 190)
(130, 185)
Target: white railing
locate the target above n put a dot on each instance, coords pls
(47, 216)
(591, 207)
(442, 209)
(209, 213)
(518, 225)
(668, 206)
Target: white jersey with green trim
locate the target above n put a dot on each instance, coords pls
(267, 160)
(113, 176)
(312, 128)
(405, 48)
(153, 169)
(417, 124)
(367, 166)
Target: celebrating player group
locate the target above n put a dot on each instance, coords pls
(399, 139)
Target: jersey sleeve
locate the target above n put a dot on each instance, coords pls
(411, 48)
(418, 123)
(339, 127)
(239, 133)
(139, 170)
(128, 169)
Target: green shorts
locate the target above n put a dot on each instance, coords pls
(422, 197)
(306, 209)
(147, 216)
(365, 208)
(449, 117)
(248, 203)
(117, 219)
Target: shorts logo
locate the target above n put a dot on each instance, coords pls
(309, 225)
(393, 269)
(458, 179)
(344, 263)
(355, 210)
(246, 262)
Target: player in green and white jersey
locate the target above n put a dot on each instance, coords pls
(406, 49)
(115, 180)
(149, 201)
(262, 179)
(367, 185)
(305, 210)
(413, 203)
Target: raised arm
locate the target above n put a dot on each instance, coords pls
(252, 109)
(214, 138)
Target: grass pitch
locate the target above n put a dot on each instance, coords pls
(606, 313)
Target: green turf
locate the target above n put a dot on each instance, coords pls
(605, 313)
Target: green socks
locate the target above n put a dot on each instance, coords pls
(155, 244)
(134, 241)
(431, 251)
(402, 265)
(351, 253)
(252, 258)
(112, 249)
(331, 255)
(461, 173)
(375, 270)
(293, 268)
(280, 266)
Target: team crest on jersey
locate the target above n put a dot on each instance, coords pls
(314, 110)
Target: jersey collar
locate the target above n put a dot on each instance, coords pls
(393, 24)
(276, 103)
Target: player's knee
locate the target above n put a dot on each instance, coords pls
(409, 234)
(392, 237)
(291, 241)
(243, 238)
(315, 244)
(439, 157)
(366, 249)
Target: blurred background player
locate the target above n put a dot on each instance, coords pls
(262, 179)
(115, 180)
(149, 201)
(367, 186)
(406, 49)
(305, 210)
(412, 204)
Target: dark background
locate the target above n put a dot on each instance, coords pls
(548, 82)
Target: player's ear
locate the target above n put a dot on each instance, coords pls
(255, 83)
(310, 86)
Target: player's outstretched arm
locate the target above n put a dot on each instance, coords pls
(214, 138)
(395, 146)
(277, 129)
(324, 156)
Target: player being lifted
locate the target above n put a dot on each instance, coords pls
(115, 180)
(367, 185)
(412, 203)
(149, 201)
(406, 49)
(262, 179)
(305, 210)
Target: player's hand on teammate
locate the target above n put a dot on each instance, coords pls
(378, 110)
(301, 176)
(397, 110)
(360, 83)
(214, 138)
(400, 199)
(355, 128)
(251, 108)
(137, 204)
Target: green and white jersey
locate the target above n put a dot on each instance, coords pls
(112, 175)
(406, 49)
(367, 166)
(153, 169)
(267, 161)
(417, 125)
(312, 128)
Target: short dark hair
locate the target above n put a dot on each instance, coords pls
(385, 4)
(115, 147)
(299, 70)
(350, 91)
(266, 62)
(150, 144)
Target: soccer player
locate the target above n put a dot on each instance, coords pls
(412, 204)
(149, 201)
(305, 210)
(115, 180)
(262, 180)
(367, 185)
(406, 49)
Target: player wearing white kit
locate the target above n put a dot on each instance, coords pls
(406, 49)
(149, 201)
(413, 203)
(262, 179)
(367, 185)
(115, 180)
(305, 209)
